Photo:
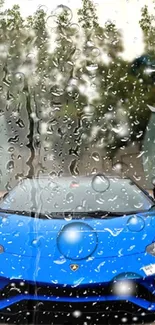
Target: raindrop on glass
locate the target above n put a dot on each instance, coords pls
(69, 197)
(44, 8)
(95, 156)
(100, 183)
(10, 166)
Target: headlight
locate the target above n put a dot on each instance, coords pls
(150, 249)
(124, 288)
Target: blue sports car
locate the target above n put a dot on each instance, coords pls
(77, 250)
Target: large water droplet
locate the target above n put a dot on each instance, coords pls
(44, 8)
(135, 223)
(100, 183)
(71, 238)
(52, 22)
(62, 9)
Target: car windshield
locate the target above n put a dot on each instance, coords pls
(79, 196)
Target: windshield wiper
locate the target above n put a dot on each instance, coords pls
(22, 213)
(104, 214)
(111, 214)
(71, 214)
(32, 214)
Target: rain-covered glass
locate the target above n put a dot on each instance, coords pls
(77, 162)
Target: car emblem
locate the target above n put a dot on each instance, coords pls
(74, 267)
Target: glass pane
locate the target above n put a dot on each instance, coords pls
(77, 162)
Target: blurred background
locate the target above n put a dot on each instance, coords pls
(77, 86)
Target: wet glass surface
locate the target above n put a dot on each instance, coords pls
(77, 162)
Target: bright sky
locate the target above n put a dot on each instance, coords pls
(126, 14)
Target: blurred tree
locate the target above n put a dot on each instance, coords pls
(67, 86)
(148, 28)
(13, 40)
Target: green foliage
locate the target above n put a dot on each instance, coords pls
(147, 24)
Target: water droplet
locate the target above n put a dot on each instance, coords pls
(57, 91)
(68, 217)
(8, 187)
(135, 223)
(62, 9)
(16, 234)
(69, 197)
(53, 174)
(1, 249)
(13, 140)
(44, 8)
(60, 261)
(95, 51)
(92, 67)
(79, 208)
(118, 167)
(124, 319)
(52, 22)
(138, 205)
(72, 236)
(20, 123)
(73, 168)
(100, 183)
(4, 221)
(95, 156)
(30, 56)
(75, 28)
(77, 313)
(36, 242)
(19, 78)
(88, 110)
(137, 178)
(11, 149)
(10, 166)
(77, 53)
(20, 224)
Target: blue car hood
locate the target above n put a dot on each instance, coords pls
(76, 239)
